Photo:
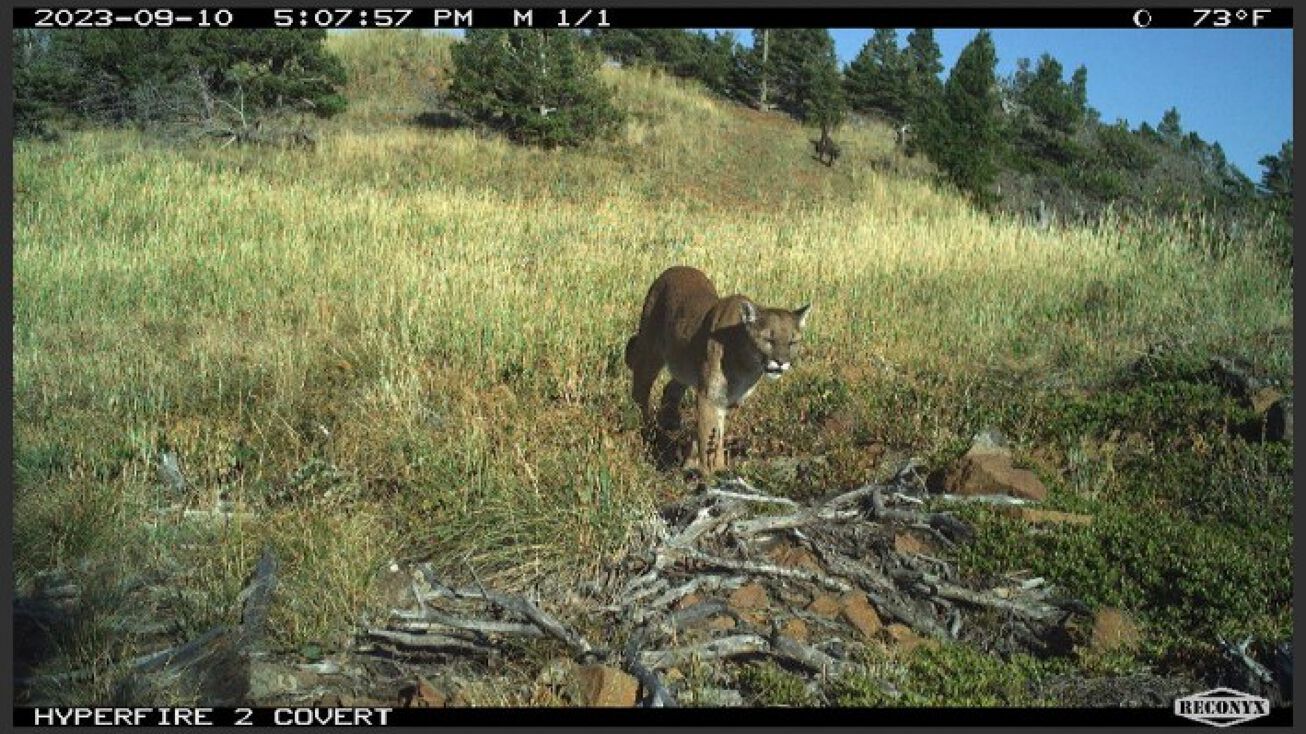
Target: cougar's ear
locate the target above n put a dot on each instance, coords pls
(747, 311)
(801, 315)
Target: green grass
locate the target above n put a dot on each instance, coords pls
(434, 320)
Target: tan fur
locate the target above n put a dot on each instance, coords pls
(719, 346)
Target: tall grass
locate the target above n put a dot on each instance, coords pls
(440, 317)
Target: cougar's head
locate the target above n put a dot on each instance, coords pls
(776, 334)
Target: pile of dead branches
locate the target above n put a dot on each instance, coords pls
(717, 541)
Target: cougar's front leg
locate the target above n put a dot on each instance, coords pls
(707, 427)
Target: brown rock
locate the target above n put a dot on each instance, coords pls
(750, 596)
(602, 685)
(721, 623)
(824, 605)
(909, 543)
(423, 695)
(860, 614)
(988, 470)
(1264, 398)
(903, 638)
(1045, 517)
(795, 628)
(790, 556)
(1114, 630)
(687, 601)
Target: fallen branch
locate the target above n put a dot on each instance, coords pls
(723, 647)
(434, 620)
(766, 569)
(430, 643)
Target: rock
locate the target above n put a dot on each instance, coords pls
(721, 623)
(1264, 398)
(989, 439)
(749, 596)
(602, 685)
(790, 556)
(1045, 517)
(860, 614)
(687, 601)
(1114, 630)
(795, 628)
(715, 697)
(423, 695)
(987, 469)
(910, 544)
(1278, 421)
(904, 638)
(824, 605)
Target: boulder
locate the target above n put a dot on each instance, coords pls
(1114, 630)
(859, 613)
(603, 685)
(795, 628)
(825, 605)
(987, 469)
(1278, 421)
(749, 597)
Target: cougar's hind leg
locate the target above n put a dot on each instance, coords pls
(644, 372)
(669, 410)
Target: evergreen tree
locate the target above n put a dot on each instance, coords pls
(924, 62)
(877, 79)
(146, 76)
(1170, 131)
(538, 86)
(964, 140)
(1276, 178)
(1052, 101)
(1079, 91)
(796, 56)
(824, 104)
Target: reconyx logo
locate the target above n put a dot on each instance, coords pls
(1221, 707)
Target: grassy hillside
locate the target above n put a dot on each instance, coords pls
(406, 343)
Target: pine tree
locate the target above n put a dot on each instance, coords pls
(159, 76)
(792, 51)
(964, 141)
(1276, 179)
(1052, 101)
(1170, 131)
(877, 79)
(824, 104)
(538, 86)
(1079, 91)
(924, 62)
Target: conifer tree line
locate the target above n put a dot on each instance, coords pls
(1007, 142)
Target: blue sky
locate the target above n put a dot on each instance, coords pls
(1230, 86)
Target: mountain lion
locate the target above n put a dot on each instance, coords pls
(720, 347)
